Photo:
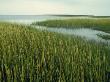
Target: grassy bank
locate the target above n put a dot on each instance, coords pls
(30, 55)
(106, 37)
(98, 24)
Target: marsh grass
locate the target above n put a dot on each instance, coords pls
(106, 37)
(30, 55)
(94, 23)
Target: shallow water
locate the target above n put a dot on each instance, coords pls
(88, 34)
(28, 19)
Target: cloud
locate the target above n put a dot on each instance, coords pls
(33, 7)
(96, 7)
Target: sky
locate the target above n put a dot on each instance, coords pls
(41, 7)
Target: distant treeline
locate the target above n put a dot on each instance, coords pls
(82, 16)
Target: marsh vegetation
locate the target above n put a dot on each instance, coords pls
(28, 54)
(94, 23)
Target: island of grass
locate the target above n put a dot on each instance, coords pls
(106, 37)
(31, 55)
(102, 24)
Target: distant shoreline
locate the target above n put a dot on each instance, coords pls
(59, 15)
(82, 16)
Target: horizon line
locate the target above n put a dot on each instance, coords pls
(53, 15)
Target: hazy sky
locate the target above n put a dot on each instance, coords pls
(37, 7)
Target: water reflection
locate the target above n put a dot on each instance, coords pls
(88, 34)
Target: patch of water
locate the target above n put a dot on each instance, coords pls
(86, 33)
(28, 19)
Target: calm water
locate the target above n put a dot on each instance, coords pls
(28, 19)
(88, 34)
